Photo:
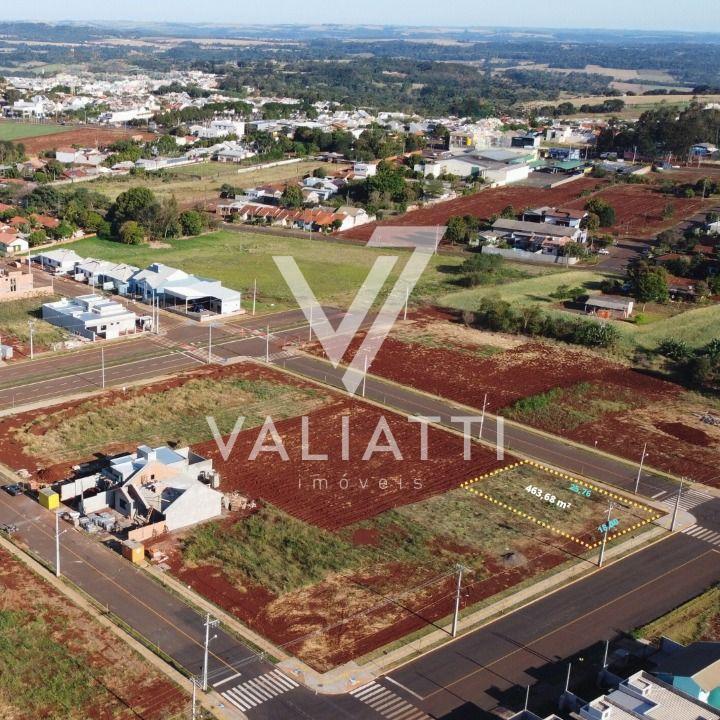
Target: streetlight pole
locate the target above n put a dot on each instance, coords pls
(601, 559)
(209, 343)
(57, 544)
(407, 297)
(102, 365)
(254, 294)
(640, 469)
(267, 345)
(677, 505)
(208, 624)
(456, 614)
(310, 326)
(364, 375)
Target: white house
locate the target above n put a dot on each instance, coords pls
(91, 316)
(60, 262)
(12, 244)
(365, 169)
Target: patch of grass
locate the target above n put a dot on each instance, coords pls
(173, 415)
(563, 409)
(15, 315)
(40, 670)
(18, 130)
(334, 271)
(698, 619)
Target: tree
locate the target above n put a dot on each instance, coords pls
(167, 219)
(388, 180)
(648, 283)
(455, 230)
(37, 237)
(590, 222)
(604, 211)
(191, 222)
(508, 212)
(131, 233)
(292, 197)
(137, 204)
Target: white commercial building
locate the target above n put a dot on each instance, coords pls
(91, 316)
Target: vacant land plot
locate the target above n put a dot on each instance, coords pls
(86, 136)
(20, 131)
(350, 484)
(200, 183)
(483, 204)
(15, 319)
(642, 211)
(554, 387)
(162, 414)
(335, 271)
(697, 620)
(57, 663)
(329, 597)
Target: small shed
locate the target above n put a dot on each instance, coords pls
(609, 306)
(49, 499)
(133, 551)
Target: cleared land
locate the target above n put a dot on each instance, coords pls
(576, 393)
(57, 663)
(200, 183)
(85, 136)
(697, 620)
(333, 270)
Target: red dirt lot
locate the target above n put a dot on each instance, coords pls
(483, 204)
(334, 493)
(86, 137)
(639, 208)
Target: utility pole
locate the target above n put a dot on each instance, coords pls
(601, 559)
(640, 469)
(194, 698)
(254, 294)
(407, 297)
(310, 326)
(57, 544)
(208, 624)
(209, 343)
(267, 345)
(456, 614)
(31, 325)
(677, 505)
(482, 418)
(102, 365)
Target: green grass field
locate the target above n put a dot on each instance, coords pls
(334, 270)
(10, 130)
(15, 315)
(195, 183)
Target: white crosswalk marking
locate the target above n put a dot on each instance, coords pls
(700, 533)
(256, 691)
(688, 500)
(387, 703)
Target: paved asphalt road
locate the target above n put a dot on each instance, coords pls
(473, 673)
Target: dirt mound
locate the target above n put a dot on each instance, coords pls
(686, 433)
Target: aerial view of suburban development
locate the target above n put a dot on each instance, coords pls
(360, 361)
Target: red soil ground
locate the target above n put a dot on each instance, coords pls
(483, 204)
(639, 208)
(355, 489)
(85, 137)
(534, 368)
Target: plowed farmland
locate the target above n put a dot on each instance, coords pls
(483, 204)
(337, 492)
(639, 208)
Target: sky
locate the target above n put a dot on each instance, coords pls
(627, 14)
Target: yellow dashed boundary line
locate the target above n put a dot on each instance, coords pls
(607, 493)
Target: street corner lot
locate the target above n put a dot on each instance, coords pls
(58, 663)
(568, 507)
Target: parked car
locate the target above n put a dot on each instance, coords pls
(13, 489)
(603, 251)
(8, 528)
